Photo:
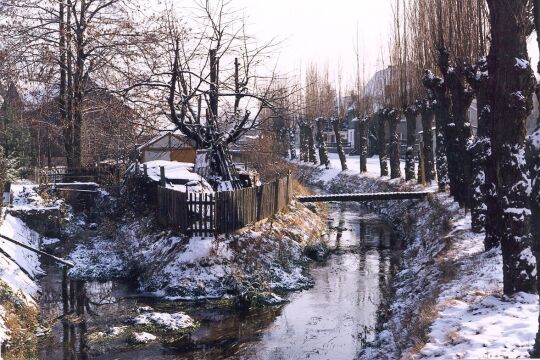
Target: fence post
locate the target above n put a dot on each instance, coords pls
(288, 187)
(145, 170)
(137, 170)
(162, 179)
(276, 197)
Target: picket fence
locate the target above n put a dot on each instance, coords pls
(222, 212)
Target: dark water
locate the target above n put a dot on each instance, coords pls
(332, 320)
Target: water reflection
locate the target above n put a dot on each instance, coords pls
(333, 320)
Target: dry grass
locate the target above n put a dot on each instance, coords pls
(21, 320)
(419, 326)
(300, 189)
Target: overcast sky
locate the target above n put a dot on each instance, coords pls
(325, 32)
(322, 31)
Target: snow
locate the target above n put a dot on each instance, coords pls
(174, 170)
(471, 318)
(176, 321)
(197, 249)
(25, 197)
(353, 164)
(19, 267)
(183, 268)
(534, 139)
(142, 337)
(475, 321)
(179, 176)
(98, 259)
(522, 63)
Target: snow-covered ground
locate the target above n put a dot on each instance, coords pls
(19, 267)
(175, 321)
(353, 167)
(179, 176)
(259, 259)
(449, 302)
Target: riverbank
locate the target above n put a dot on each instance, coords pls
(19, 276)
(112, 246)
(447, 298)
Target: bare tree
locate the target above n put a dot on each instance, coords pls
(477, 76)
(411, 113)
(321, 144)
(207, 81)
(441, 107)
(427, 115)
(69, 48)
(381, 137)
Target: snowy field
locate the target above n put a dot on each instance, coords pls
(470, 317)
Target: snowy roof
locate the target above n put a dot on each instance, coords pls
(174, 170)
(177, 174)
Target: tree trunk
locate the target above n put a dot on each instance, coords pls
(481, 198)
(462, 98)
(511, 83)
(62, 97)
(442, 118)
(427, 115)
(321, 144)
(311, 144)
(79, 87)
(292, 142)
(411, 113)
(381, 139)
(460, 129)
(533, 163)
(393, 117)
(304, 143)
(336, 125)
(363, 128)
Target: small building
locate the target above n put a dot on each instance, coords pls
(169, 147)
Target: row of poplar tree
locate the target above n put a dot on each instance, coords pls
(446, 54)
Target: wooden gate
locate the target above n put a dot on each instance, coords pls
(202, 211)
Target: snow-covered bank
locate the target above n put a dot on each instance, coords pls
(250, 264)
(257, 260)
(19, 269)
(447, 300)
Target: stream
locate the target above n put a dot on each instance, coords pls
(331, 320)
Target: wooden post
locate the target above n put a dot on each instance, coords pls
(288, 184)
(145, 170)
(163, 180)
(137, 169)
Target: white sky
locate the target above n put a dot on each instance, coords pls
(323, 32)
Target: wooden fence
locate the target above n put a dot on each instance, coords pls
(222, 212)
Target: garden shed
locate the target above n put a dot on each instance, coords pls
(169, 147)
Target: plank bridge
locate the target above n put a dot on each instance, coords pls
(416, 195)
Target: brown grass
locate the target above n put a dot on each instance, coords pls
(420, 325)
(21, 320)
